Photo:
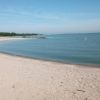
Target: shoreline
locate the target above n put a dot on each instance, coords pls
(44, 60)
(31, 79)
(9, 38)
(2, 39)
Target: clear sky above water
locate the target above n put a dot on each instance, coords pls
(50, 16)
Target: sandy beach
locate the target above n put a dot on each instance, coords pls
(28, 79)
(10, 38)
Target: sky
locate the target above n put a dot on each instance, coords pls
(50, 16)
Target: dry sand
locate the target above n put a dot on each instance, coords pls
(27, 79)
(10, 38)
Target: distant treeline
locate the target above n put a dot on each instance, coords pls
(17, 34)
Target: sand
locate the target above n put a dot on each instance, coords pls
(29, 79)
(11, 38)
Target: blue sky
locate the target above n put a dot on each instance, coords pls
(50, 16)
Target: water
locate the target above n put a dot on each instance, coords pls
(67, 48)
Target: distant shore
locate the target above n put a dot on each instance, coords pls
(23, 78)
(6, 38)
(13, 35)
(9, 38)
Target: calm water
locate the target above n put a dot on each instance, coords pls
(67, 48)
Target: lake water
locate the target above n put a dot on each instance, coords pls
(66, 48)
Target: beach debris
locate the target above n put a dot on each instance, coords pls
(81, 90)
(86, 99)
(61, 82)
(13, 86)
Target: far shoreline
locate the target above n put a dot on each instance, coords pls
(9, 38)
